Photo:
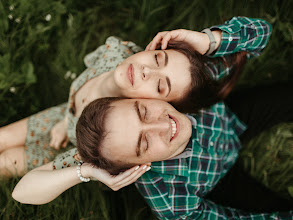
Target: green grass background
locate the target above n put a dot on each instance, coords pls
(36, 53)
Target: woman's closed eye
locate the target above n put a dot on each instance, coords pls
(162, 86)
(156, 59)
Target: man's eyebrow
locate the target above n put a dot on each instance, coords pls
(140, 134)
(169, 85)
(166, 58)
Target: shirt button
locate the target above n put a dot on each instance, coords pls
(230, 38)
(212, 143)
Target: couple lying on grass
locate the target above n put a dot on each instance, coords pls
(119, 139)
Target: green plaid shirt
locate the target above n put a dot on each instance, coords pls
(175, 188)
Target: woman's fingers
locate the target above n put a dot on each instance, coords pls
(156, 41)
(148, 46)
(171, 35)
(133, 177)
(162, 39)
(128, 177)
(53, 142)
(65, 142)
(165, 40)
(56, 142)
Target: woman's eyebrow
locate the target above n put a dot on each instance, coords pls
(166, 58)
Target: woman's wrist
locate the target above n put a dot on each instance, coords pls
(86, 170)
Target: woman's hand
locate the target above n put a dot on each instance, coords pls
(197, 40)
(116, 182)
(59, 135)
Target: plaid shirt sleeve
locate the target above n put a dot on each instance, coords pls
(171, 198)
(238, 34)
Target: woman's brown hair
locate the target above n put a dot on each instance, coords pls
(205, 91)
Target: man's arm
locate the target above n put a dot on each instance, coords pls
(238, 34)
(242, 34)
(177, 200)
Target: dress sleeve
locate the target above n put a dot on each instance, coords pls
(67, 159)
(238, 34)
(112, 47)
(173, 199)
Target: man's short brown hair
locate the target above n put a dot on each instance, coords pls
(91, 133)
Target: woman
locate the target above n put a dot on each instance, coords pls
(169, 75)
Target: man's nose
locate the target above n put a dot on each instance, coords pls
(161, 126)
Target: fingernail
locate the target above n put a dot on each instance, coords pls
(148, 168)
(136, 168)
(145, 166)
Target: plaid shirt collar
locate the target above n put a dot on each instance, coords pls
(179, 165)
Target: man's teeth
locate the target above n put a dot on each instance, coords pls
(173, 127)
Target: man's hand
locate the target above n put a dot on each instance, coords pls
(59, 135)
(115, 182)
(197, 40)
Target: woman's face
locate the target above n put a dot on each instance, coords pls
(159, 74)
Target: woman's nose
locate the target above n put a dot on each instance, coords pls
(148, 72)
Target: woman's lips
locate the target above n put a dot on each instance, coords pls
(130, 73)
(177, 127)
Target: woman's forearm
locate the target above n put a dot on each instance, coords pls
(42, 185)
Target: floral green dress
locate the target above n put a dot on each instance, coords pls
(38, 152)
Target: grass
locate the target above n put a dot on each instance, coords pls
(85, 201)
(40, 41)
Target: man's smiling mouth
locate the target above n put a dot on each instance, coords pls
(175, 127)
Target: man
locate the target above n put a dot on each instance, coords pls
(189, 153)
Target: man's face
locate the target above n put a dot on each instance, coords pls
(145, 130)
